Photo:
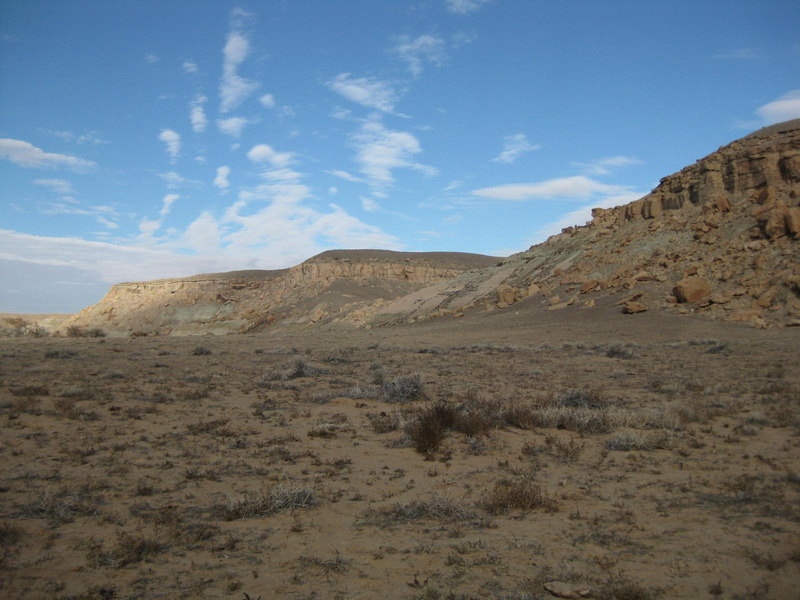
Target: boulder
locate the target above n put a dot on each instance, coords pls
(506, 294)
(631, 308)
(691, 289)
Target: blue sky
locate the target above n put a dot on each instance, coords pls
(165, 138)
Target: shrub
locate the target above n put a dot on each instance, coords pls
(403, 388)
(201, 351)
(436, 508)
(266, 503)
(517, 494)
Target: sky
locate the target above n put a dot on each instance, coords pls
(165, 138)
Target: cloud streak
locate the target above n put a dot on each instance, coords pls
(515, 146)
(25, 154)
(564, 188)
(366, 91)
(172, 140)
(235, 89)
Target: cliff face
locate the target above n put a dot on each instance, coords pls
(333, 286)
(718, 237)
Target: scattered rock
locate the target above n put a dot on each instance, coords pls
(506, 295)
(631, 308)
(561, 589)
(691, 289)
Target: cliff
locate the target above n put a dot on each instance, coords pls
(719, 237)
(341, 285)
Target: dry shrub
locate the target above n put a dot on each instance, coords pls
(266, 503)
(383, 422)
(403, 388)
(517, 494)
(436, 508)
(61, 506)
(295, 369)
(431, 426)
(129, 548)
(568, 451)
(634, 440)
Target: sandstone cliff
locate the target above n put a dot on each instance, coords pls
(342, 285)
(718, 237)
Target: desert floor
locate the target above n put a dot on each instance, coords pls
(639, 456)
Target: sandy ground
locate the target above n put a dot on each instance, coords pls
(639, 456)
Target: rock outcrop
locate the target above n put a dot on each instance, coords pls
(719, 237)
(341, 285)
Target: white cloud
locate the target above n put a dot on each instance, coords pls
(267, 101)
(344, 175)
(173, 142)
(87, 137)
(565, 188)
(234, 88)
(233, 126)
(151, 59)
(221, 180)
(203, 235)
(167, 202)
(61, 186)
(175, 180)
(419, 50)
(783, 109)
(197, 114)
(515, 146)
(369, 204)
(379, 151)
(189, 67)
(333, 190)
(27, 155)
(464, 7)
(263, 153)
(604, 166)
(105, 215)
(366, 91)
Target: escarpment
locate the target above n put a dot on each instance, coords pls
(342, 285)
(720, 237)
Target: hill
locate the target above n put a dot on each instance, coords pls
(720, 237)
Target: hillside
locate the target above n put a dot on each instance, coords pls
(341, 285)
(720, 237)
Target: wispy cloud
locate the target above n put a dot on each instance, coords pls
(604, 166)
(366, 91)
(190, 67)
(233, 126)
(176, 181)
(234, 88)
(465, 7)
(151, 59)
(265, 154)
(267, 101)
(172, 140)
(105, 215)
(344, 175)
(61, 186)
(221, 179)
(783, 109)
(87, 137)
(27, 155)
(197, 114)
(515, 146)
(565, 188)
(148, 227)
(379, 151)
(420, 50)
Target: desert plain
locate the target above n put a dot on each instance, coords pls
(515, 454)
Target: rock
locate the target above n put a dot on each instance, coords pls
(765, 300)
(793, 323)
(589, 303)
(793, 221)
(561, 589)
(631, 308)
(506, 295)
(692, 289)
(533, 289)
(589, 286)
(553, 300)
(722, 203)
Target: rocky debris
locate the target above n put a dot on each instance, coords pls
(631, 308)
